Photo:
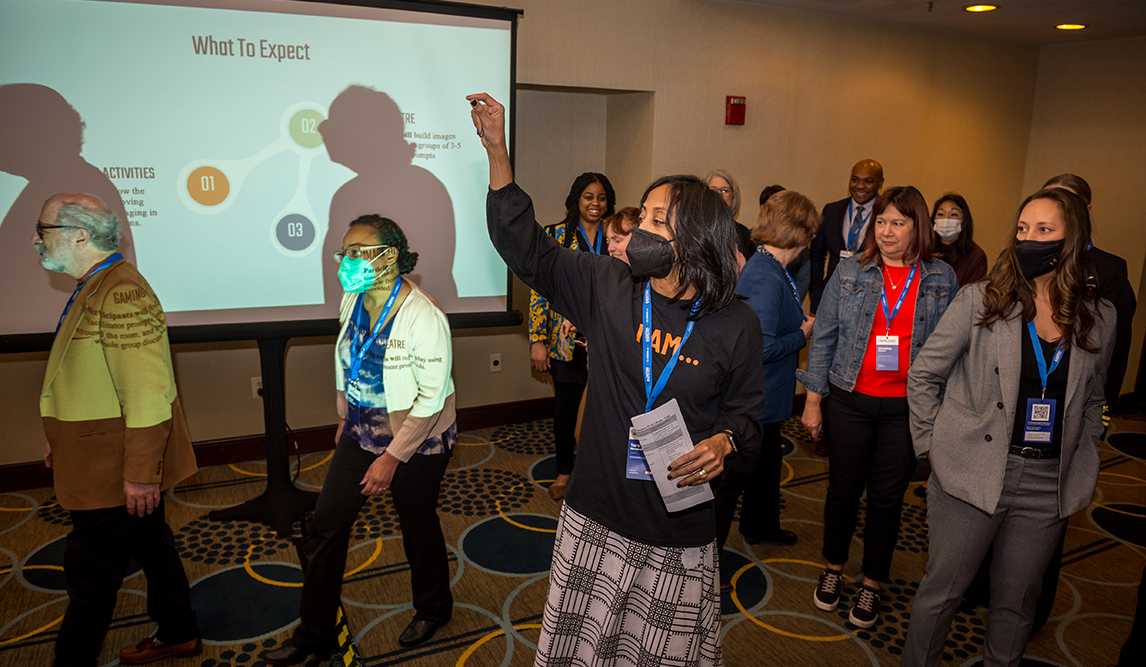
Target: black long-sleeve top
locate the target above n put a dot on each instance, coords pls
(718, 383)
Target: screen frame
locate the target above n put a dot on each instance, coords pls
(208, 333)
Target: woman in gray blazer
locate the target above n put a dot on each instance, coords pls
(1006, 399)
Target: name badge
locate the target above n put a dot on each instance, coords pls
(844, 254)
(887, 353)
(1039, 427)
(636, 467)
(353, 391)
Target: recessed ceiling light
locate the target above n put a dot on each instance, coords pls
(1071, 26)
(980, 8)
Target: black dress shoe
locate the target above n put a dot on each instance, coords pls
(418, 631)
(291, 653)
(780, 538)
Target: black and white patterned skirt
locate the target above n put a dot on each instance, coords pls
(615, 601)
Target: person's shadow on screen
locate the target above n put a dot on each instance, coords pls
(364, 131)
(41, 136)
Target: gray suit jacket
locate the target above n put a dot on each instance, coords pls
(962, 389)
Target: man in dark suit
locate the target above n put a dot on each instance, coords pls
(844, 223)
(1109, 277)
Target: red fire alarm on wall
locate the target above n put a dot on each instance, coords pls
(734, 108)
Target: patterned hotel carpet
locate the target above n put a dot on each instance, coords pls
(499, 527)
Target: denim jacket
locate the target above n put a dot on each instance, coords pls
(847, 310)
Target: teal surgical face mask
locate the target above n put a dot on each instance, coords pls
(357, 274)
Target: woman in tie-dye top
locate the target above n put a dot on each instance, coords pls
(396, 430)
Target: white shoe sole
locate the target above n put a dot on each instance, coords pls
(822, 606)
(863, 625)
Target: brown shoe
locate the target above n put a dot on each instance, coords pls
(151, 649)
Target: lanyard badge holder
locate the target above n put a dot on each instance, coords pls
(791, 284)
(595, 247)
(852, 240)
(636, 467)
(358, 351)
(112, 259)
(887, 346)
(1038, 427)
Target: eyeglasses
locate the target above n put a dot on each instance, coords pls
(41, 228)
(358, 252)
(722, 191)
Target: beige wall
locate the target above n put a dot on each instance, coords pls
(1090, 119)
(823, 91)
(940, 113)
(559, 135)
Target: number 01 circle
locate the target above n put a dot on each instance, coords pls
(208, 186)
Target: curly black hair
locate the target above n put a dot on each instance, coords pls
(390, 234)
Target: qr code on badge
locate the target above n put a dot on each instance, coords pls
(1040, 412)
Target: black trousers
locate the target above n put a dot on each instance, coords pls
(871, 448)
(759, 480)
(566, 404)
(327, 537)
(761, 512)
(96, 557)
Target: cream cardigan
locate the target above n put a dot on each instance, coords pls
(415, 372)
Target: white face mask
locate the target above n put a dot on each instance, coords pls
(948, 229)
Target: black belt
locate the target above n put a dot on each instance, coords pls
(1036, 452)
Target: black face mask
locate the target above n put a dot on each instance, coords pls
(1037, 258)
(650, 256)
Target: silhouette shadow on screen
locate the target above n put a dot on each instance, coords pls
(41, 137)
(365, 132)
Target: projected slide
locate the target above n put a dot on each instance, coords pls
(239, 139)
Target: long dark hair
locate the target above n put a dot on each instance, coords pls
(962, 245)
(572, 208)
(908, 200)
(1007, 286)
(705, 240)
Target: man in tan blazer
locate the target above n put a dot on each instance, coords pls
(117, 437)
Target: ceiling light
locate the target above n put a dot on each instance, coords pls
(980, 8)
(1071, 26)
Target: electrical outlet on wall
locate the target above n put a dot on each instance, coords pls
(495, 362)
(257, 387)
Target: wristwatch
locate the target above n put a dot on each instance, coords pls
(731, 439)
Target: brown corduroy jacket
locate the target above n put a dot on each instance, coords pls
(109, 403)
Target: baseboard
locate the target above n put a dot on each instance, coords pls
(32, 475)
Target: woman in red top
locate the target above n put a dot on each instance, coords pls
(880, 306)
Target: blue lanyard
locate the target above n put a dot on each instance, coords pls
(791, 283)
(890, 315)
(357, 356)
(1044, 372)
(854, 229)
(651, 392)
(595, 247)
(80, 285)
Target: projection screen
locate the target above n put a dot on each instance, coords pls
(238, 138)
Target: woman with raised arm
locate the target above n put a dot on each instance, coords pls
(629, 577)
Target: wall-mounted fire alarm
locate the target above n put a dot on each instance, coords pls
(734, 109)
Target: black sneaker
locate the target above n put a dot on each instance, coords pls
(828, 590)
(865, 608)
